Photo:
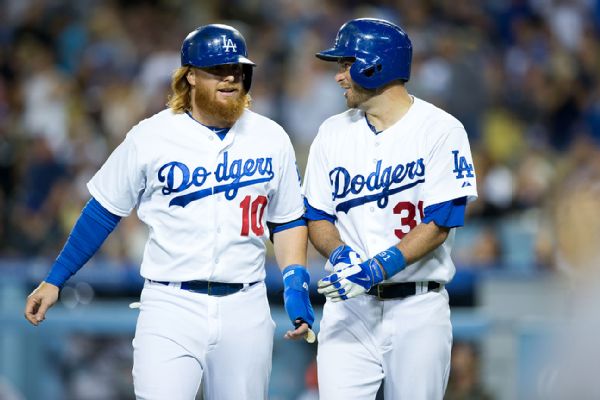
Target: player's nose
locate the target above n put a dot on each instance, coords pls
(340, 77)
(232, 73)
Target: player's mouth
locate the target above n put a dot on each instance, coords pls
(227, 92)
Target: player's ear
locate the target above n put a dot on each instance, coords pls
(191, 77)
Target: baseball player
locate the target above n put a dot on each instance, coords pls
(386, 183)
(211, 180)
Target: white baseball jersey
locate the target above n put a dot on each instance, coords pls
(205, 200)
(377, 186)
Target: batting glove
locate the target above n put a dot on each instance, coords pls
(353, 280)
(342, 255)
(295, 295)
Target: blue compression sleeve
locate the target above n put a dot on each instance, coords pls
(448, 214)
(91, 230)
(314, 214)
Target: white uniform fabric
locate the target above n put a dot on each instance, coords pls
(190, 188)
(206, 202)
(406, 343)
(183, 338)
(377, 186)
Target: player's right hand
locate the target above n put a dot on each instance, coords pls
(39, 301)
(342, 255)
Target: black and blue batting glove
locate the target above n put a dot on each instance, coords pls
(353, 280)
(295, 295)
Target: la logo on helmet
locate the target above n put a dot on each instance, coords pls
(228, 44)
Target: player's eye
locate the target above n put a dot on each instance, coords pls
(225, 70)
(344, 64)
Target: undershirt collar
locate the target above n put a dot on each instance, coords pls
(220, 132)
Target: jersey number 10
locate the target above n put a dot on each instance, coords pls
(252, 215)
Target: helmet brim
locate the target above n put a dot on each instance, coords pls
(333, 54)
(244, 60)
(234, 60)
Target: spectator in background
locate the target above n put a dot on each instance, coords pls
(35, 216)
(465, 382)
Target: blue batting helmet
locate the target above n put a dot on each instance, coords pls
(382, 51)
(217, 44)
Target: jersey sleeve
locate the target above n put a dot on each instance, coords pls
(120, 181)
(317, 187)
(449, 171)
(286, 203)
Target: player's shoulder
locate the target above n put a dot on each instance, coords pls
(155, 124)
(437, 122)
(251, 123)
(343, 119)
(339, 124)
(435, 118)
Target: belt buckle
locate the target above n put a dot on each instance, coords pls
(379, 292)
(217, 289)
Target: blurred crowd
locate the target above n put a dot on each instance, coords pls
(522, 75)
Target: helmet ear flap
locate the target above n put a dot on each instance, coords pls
(247, 76)
(367, 73)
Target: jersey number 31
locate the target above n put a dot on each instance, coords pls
(408, 216)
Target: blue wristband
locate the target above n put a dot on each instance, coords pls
(295, 294)
(392, 261)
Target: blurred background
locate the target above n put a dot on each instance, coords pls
(522, 75)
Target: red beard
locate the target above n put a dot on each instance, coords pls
(228, 110)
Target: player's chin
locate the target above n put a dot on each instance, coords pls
(351, 101)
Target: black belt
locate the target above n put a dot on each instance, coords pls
(207, 287)
(401, 290)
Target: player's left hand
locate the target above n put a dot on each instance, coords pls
(351, 280)
(297, 301)
(342, 255)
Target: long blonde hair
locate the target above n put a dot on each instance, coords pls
(180, 99)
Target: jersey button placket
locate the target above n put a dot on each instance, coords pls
(372, 211)
(218, 223)
(217, 205)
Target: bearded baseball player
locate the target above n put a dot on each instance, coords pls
(211, 180)
(387, 182)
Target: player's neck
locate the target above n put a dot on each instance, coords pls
(209, 120)
(388, 107)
